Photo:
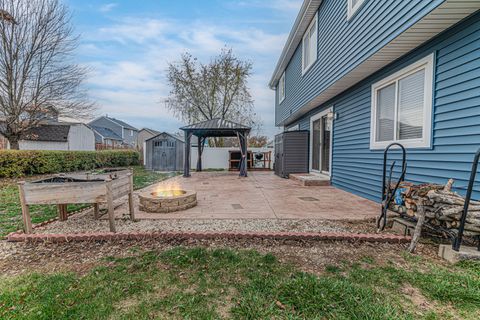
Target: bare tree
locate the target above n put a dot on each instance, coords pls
(37, 71)
(218, 89)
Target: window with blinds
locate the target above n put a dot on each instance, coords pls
(309, 46)
(402, 107)
(281, 88)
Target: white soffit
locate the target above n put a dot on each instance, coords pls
(438, 20)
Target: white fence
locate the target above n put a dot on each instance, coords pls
(217, 158)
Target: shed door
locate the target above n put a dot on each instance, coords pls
(164, 155)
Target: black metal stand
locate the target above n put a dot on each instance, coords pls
(457, 242)
(387, 192)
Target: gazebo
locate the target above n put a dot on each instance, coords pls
(215, 128)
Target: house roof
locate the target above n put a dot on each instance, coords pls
(106, 133)
(122, 123)
(152, 131)
(304, 17)
(48, 132)
(168, 134)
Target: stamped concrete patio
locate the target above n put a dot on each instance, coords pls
(262, 205)
(224, 195)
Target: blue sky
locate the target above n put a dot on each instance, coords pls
(127, 45)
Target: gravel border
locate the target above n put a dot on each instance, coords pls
(83, 222)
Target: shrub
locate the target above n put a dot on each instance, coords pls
(15, 163)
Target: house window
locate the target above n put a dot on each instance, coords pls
(309, 46)
(353, 6)
(131, 133)
(281, 88)
(402, 107)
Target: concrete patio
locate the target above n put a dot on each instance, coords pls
(262, 205)
(223, 195)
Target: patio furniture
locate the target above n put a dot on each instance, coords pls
(255, 161)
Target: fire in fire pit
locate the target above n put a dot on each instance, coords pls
(167, 199)
(168, 193)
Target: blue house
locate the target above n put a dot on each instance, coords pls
(360, 74)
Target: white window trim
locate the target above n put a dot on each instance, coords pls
(312, 119)
(426, 141)
(281, 88)
(306, 68)
(351, 9)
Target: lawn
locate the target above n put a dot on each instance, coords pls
(11, 214)
(198, 283)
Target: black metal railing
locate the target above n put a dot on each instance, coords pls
(387, 192)
(457, 242)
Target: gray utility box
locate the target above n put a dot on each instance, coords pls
(291, 152)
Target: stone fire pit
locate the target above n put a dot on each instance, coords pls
(164, 201)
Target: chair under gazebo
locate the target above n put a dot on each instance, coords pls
(212, 129)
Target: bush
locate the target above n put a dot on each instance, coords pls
(15, 163)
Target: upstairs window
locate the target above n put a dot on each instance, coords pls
(281, 88)
(309, 46)
(402, 107)
(131, 133)
(353, 6)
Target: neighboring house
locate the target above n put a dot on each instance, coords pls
(122, 129)
(361, 74)
(106, 137)
(57, 136)
(143, 135)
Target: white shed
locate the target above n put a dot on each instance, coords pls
(59, 136)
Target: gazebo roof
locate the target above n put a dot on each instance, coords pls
(216, 128)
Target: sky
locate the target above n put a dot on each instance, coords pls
(128, 44)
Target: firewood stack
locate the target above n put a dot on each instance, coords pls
(443, 207)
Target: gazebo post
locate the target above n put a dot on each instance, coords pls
(199, 151)
(186, 162)
(243, 152)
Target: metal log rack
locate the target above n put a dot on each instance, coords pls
(388, 193)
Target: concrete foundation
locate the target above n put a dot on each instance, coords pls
(466, 253)
(310, 180)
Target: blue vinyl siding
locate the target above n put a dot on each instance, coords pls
(456, 118)
(350, 42)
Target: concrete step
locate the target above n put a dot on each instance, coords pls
(310, 179)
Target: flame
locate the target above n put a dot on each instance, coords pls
(169, 189)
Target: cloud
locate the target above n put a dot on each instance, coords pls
(278, 5)
(108, 7)
(131, 57)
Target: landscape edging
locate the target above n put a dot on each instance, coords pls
(201, 235)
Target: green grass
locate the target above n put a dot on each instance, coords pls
(143, 178)
(213, 284)
(11, 214)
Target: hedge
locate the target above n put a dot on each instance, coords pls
(17, 163)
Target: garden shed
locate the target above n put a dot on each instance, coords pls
(164, 152)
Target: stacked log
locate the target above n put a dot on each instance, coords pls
(442, 206)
